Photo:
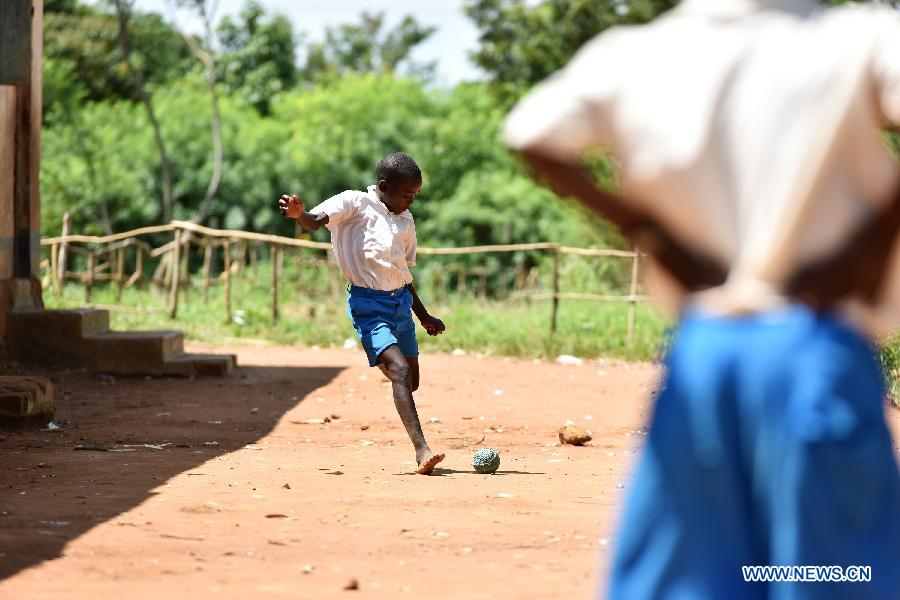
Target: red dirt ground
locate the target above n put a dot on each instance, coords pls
(247, 501)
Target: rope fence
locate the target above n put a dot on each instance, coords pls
(106, 258)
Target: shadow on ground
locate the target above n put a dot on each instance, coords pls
(140, 433)
(440, 472)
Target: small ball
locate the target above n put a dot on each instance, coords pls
(486, 460)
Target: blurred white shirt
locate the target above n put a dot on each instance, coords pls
(374, 247)
(749, 128)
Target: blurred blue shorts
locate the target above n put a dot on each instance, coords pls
(383, 318)
(767, 446)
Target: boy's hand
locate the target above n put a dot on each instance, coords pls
(433, 325)
(290, 206)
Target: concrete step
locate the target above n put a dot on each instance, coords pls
(81, 339)
(52, 337)
(82, 320)
(213, 365)
(133, 352)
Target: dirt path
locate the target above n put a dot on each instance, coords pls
(234, 496)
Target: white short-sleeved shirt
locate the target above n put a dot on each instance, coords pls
(749, 128)
(374, 247)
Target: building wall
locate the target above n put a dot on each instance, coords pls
(27, 291)
(7, 163)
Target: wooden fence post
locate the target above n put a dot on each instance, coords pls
(555, 302)
(64, 249)
(632, 305)
(120, 272)
(54, 268)
(241, 261)
(207, 262)
(254, 261)
(275, 256)
(175, 274)
(227, 282)
(185, 270)
(89, 277)
(139, 266)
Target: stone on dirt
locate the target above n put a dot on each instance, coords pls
(569, 434)
(353, 584)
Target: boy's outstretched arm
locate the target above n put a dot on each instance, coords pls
(693, 270)
(292, 208)
(432, 325)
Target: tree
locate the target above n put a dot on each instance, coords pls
(207, 9)
(257, 57)
(522, 43)
(368, 47)
(100, 165)
(83, 42)
(124, 9)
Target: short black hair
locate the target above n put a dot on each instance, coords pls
(397, 165)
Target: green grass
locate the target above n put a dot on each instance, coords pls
(890, 362)
(313, 312)
(509, 328)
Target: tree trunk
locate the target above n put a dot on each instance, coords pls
(215, 121)
(123, 11)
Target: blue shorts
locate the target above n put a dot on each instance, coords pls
(382, 319)
(767, 446)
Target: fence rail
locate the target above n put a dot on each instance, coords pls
(174, 267)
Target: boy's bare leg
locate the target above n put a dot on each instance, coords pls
(399, 370)
(413, 372)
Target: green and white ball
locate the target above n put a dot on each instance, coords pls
(486, 460)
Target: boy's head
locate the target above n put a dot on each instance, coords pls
(399, 180)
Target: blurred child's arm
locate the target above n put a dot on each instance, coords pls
(432, 325)
(858, 268)
(693, 270)
(292, 208)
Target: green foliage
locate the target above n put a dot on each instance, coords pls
(101, 165)
(521, 42)
(103, 158)
(81, 46)
(252, 152)
(473, 191)
(890, 364)
(340, 129)
(257, 58)
(368, 47)
(317, 139)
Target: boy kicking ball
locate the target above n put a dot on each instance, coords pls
(373, 236)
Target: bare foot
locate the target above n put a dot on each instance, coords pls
(427, 465)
